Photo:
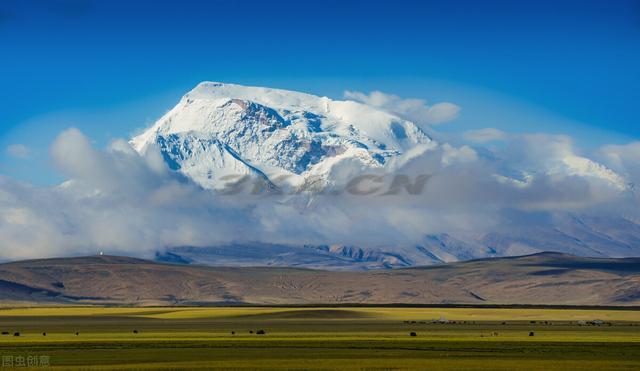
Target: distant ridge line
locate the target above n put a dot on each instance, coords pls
(555, 281)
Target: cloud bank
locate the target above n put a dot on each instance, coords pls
(624, 159)
(121, 202)
(415, 110)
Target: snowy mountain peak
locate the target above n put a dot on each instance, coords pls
(221, 129)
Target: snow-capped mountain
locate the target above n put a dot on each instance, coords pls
(223, 129)
(217, 130)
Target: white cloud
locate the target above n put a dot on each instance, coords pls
(121, 202)
(19, 151)
(416, 110)
(623, 158)
(452, 155)
(485, 135)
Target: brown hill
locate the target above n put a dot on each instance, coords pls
(547, 278)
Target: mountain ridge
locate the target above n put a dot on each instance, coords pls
(546, 278)
(273, 132)
(220, 133)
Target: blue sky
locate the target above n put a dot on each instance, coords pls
(111, 68)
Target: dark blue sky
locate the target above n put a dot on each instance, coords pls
(579, 60)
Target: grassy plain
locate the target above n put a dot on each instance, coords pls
(322, 338)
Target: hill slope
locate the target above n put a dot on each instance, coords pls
(547, 278)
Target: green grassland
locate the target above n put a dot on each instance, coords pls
(323, 338)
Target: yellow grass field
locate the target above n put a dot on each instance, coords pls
(322, 338)
(383, 313)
